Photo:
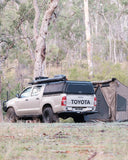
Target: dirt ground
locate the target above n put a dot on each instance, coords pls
(78, 141)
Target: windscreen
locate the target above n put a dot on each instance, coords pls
(80, 88)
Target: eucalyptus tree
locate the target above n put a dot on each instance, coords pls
(40, 35)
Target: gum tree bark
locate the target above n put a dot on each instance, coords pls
(88, 39)
(40, 35)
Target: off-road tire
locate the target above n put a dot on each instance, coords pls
(11, 116)
(49, 116)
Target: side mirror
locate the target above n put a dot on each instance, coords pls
(17, 95)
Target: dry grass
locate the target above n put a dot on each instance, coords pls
(87, 141)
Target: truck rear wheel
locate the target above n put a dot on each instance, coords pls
(11, 116)
(49, 116)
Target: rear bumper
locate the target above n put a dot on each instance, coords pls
(74, 113)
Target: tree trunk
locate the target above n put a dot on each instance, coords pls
(114, 50)
(40, 37)
(110, 44)
(1, 114)
(88, 38)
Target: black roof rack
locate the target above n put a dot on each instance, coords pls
(41, 80)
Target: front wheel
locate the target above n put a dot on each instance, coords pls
(11, 116)
(49, 116)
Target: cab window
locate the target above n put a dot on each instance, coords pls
(26, 93)
(36, 90)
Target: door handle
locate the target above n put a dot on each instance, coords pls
(26, 99)
(37, 98)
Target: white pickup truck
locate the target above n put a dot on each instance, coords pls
(51, 98)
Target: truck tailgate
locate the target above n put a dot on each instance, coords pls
(80, 100)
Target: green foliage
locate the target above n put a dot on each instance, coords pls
(111, 8)
(26, 12)
(79, 72)
(10, 89)
(3, 4)
(68, 120)
(124, 2)
(55, 55)
(69, 25)
(105, 70)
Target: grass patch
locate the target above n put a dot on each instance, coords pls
(102, 141)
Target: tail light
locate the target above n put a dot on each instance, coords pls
(95, 101)
(64, 101)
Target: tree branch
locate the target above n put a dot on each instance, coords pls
(48, 16)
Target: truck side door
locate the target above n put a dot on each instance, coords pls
(22, 102)
(35, 100)
(29, 104)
